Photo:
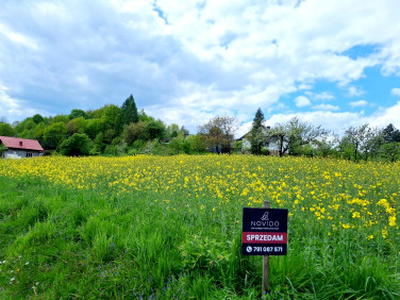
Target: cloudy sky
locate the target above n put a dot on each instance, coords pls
(334, 63)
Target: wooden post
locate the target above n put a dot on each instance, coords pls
(265, 279)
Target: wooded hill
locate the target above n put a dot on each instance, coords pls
(109, 130)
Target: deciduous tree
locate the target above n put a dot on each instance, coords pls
(134, 132)
(363, 141)
(294, 134)
(391, 151)
(54, 134)
(76, 113)
(6, 130)
(218, 133)
(76, 145)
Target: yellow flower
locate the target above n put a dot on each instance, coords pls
(392, 220)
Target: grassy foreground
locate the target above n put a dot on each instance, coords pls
(149, 227)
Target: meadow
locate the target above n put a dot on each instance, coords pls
(155, 227)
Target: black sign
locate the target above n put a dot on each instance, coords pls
(264, 231)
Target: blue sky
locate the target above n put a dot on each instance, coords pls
(334, 63)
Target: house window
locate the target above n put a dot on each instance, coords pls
(29, 154)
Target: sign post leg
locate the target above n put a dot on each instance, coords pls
(265, 279)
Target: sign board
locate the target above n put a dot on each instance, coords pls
(264, 231)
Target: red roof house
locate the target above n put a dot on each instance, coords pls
(19, 148)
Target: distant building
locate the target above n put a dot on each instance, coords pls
(20, 148)
(271, 144)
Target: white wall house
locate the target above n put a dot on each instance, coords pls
(271, 144)
(20, 148)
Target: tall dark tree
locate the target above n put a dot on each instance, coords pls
(129, 113)
(391, 134)
(257, 133)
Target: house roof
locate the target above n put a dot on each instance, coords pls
(18, 143)
(248, 134)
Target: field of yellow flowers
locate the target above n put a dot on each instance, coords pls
(170, 227)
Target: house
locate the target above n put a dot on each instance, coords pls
(19, 148)
(271, 144)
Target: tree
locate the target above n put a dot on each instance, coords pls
(257, 133)
(25, 125)
(2, 149)
(362, 141)
(196, 144)
(39, 132)
(76, 145)
(218, 133)
(129, 113)
(6, 130)
(155, 130)
(179, 145)
(391, 151)
(76, 125)
(76, 113)
(391, 134)
(292, 135)
(134, 132)
(54, 134)
(37, 119)
(326, 146)
(93, 127)
(172, 130)
(144, 117)
(110, 119)
(60, 118)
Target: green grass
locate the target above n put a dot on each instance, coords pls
(61, 243)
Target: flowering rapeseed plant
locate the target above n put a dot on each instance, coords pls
(338, 194)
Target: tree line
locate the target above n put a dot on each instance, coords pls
(296, 137)
(109, 130)
(114, 130)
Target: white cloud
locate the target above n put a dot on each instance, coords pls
(325, 107)
(320, 96)
(304, 86)
(395, 92)
(17, 38)
(354, 91)
(194, 60)
(302, 101)
(385, 116)
(10, 106)
(358, 103)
